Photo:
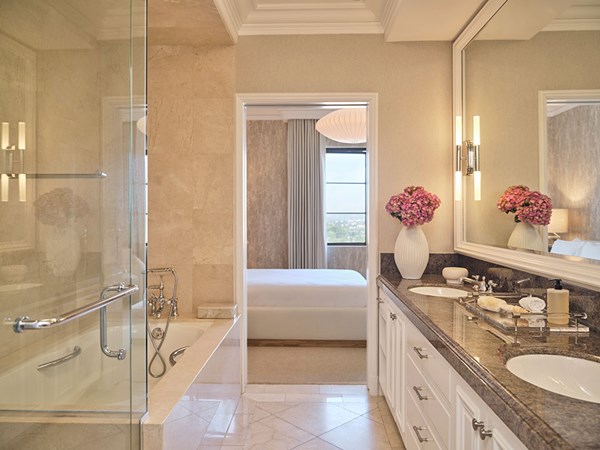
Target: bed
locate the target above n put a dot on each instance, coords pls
(306, 304)
(577, 247)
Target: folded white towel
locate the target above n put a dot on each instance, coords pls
(532, 304)
(491, 303)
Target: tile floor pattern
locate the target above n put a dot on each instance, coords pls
(274, 417)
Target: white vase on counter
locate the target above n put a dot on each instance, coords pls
(411, 252)
(526, 236)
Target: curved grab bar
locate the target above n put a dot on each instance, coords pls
(25, 323)
(63, 359)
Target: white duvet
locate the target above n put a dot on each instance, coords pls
(306, 288)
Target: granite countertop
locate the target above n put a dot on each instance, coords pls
(539, 418)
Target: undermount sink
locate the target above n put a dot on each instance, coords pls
(574, 377)
(438, 291)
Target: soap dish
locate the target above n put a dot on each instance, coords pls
(453, 275)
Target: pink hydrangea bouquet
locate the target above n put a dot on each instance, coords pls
(60, 205)
(413, 206)
(531, 207)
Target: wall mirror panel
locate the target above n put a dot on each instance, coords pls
(528, 70)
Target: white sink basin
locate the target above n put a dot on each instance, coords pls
(435, 291)
(573, 377)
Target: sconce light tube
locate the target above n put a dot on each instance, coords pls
(458, 162)
(21, 136)
(4, 187)
(476, 131)
(476, 162)
(4, 140)
(22, 187)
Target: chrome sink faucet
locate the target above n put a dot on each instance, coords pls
(478, 285)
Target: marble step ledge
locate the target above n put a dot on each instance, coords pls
(217, 311)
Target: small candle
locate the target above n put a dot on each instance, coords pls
(4, 187)
(21, 141)
(4, 143)
(476, 131)
(22, 187)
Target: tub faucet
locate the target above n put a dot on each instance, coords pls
(157, 303)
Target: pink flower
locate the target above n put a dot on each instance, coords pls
(413, 206)
(531, 207)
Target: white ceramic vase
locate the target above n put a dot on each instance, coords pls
(63, 250)
(526, 236)
(411, 252)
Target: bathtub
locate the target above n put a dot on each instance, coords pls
(92, 381)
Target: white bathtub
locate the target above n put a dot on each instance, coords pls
(92, 381)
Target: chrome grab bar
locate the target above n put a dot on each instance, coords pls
(120, 290)
(63, 359)
(25, 323)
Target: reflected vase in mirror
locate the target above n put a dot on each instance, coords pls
(411, 252)
(63, 249)
(526, 236)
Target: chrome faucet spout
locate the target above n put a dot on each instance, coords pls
(478, 285)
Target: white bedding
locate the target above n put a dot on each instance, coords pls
(306, 288)
(577, 247)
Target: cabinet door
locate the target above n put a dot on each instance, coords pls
(466, 410)
(398, 361)
(383, 345)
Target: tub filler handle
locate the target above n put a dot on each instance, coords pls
(63, 359)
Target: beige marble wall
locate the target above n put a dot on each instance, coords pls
(352, 257)
(190, 169)
(414, 82)
(267, 194)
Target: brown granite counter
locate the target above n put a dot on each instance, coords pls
(539, 418)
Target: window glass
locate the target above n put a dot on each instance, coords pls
(345, 167)
(346, 229)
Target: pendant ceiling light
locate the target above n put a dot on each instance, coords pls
(347, 125)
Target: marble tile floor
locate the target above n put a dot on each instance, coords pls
(274, 417)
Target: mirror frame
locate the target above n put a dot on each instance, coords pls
(579, 271)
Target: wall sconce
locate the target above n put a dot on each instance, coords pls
(472, 159)
(9, 161)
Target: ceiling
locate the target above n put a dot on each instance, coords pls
(397, 20)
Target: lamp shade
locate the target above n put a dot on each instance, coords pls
(559, 222)
(347, 125)
(141, 125)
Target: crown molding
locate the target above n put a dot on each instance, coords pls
(230, 16)
(573, 25)
(310, 28)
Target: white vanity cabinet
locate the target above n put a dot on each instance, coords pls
(433, 406)
(391, 357)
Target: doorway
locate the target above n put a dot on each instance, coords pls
(263, 102)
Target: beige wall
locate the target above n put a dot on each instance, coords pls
(267, 194)
(190, 169)
(502, 83)
(415, 106)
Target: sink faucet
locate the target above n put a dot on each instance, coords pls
(478, 285)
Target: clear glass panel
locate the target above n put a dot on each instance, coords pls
(72, 219)
(346, 228)
(345, 167)
(345, 198)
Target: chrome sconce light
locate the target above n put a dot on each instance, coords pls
(472, 159)
(9, 156)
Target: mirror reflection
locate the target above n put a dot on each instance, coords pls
(531, 78)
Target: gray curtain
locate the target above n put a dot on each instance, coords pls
(306, 222)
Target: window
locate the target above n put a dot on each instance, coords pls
(346, 196)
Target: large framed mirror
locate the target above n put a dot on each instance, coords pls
(527, 114)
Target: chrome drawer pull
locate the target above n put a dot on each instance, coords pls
(393, 316)
(418, 391)
(419, 437)
(477, 424)
(484, 434)
(418, 350)
(63, 359)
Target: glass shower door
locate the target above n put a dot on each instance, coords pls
(72, 223)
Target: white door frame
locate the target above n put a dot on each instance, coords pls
(240, 238)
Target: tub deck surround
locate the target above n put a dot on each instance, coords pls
(539, 418)
(167, 393)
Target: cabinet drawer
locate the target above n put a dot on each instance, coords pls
(431, 406)
(433, 366)
(418, 433)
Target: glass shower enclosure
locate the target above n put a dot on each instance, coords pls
(72, 223)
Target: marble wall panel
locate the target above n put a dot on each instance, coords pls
(190, 169)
